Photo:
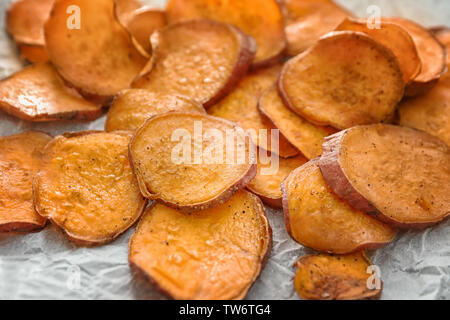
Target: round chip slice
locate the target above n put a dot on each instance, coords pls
(125, 9)
(329, 277)
(191, 161)
(345, 79)
(241, 107)
(216, 254)
(20, 160)
(200, 59)
(398, 174)
(37, 93)
(317, 218)
(132, 107)
(87, 188)
(261, 19)
(90, 49)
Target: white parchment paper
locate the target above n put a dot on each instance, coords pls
(45, 265)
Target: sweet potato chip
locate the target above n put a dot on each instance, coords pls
(443, 35)
(214, 254)
(271, 173)
(125, 9)
(308, 20)
(87, 188)
(317, 218)
(329, 277)
(90, 49)
(37, 93)
(394, 38)
(33, 53)
(261, 19)
(241, 107)
(184, 160)
(132, 107)
(20, 160)
(200, 59)
(304, 136)
(400, 175)
(345, 79)
(432, 54)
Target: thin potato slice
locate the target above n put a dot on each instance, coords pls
(345, 79)
(180, 159)
(261, 19)
(214, 254)
(132, 107)
(87, 188)
(304, 136)
(98, 58)
(200, 59)
(317, 218)
(20, 160)
(394, 38)
(329, 277)
(432, 54)
(125, 9)
(398, 174)
(37, 93)
(443, 35)
(268, 179)
(241, 107)
(308, 20)
(33, 53)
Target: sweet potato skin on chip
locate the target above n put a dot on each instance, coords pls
(398, 174)
(20, 160)
(34, 54)
(201, 59)
(345, 79)
(37, 93)
(304, 136)
(214, 254)
(394, 38)
(132, 107)
(87, 188)
(268, 186)
(261, 19)
(241, 107)
(98, 59)
(179, 179)
(317, 218)
(329, 277)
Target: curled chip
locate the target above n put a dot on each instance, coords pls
(215, 254)
(261, 19)
(34, 54)
(20, 160)
(37, 93)
(124, 9)
(431, 52)
(398, 174)
(303, 135)
(200, 59)
(272, 171)
(443, 35)
(132, 107)
(308, 20)
(345, 79)
(87, 188)
(191, 161)
(317, 218)
(241, 107)
(394, 38)
(90, 49)
(329, 277)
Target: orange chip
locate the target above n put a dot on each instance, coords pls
(261, 19)
(201, 59)
(132, 107)
(443, 35)
(432, 54)
(394, 38)
(34, 54)
(125, 9)
(90, 49)
(37, 93)
(241, 106)
(20, 160)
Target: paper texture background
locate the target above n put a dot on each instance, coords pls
(46, 266)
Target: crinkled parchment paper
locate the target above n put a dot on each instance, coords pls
(46, 266)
